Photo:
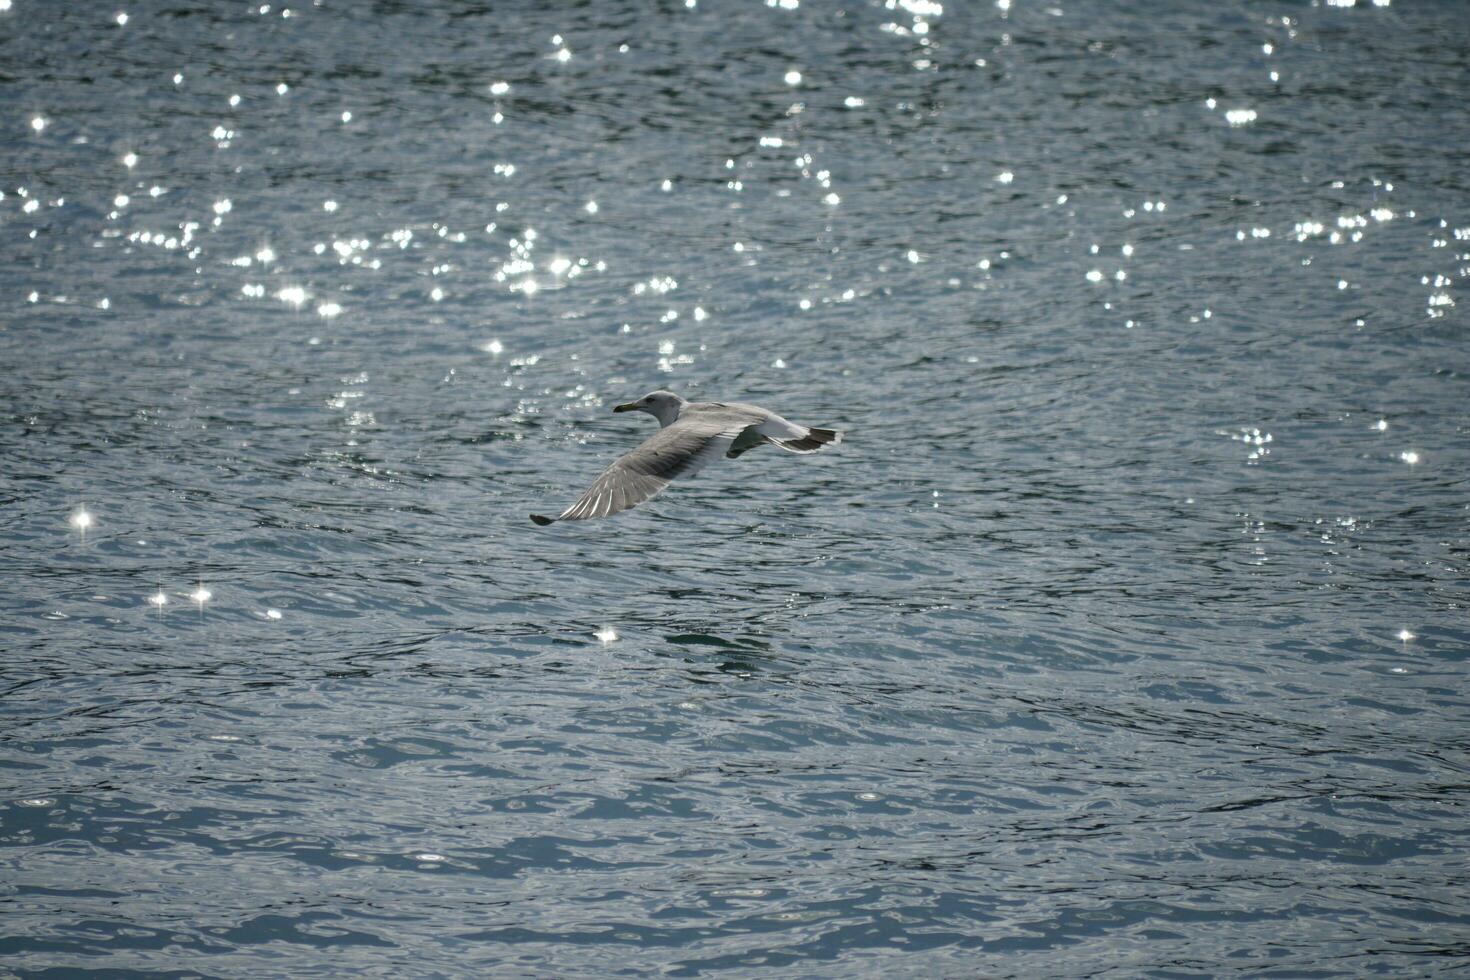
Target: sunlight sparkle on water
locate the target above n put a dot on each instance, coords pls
(81, 519)
(1240, 117)
(793, 77)
(201, 595)
(158, 599)
(1404, 636)
(1410, 457)
(607, 634)
(38, 123)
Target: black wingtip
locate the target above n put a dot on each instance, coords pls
(542, 519)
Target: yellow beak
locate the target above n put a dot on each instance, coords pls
(630, 407)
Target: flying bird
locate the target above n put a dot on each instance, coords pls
(691, 436)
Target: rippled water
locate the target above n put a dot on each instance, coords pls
(1125, 634)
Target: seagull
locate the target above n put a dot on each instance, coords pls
(691, 436)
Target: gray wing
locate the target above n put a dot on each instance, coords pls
(681, 449)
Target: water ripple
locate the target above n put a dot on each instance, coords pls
(1123, 634)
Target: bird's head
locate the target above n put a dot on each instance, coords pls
(662, 405)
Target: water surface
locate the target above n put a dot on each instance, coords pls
(1124, 635)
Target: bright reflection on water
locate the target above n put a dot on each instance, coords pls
(1123, 634)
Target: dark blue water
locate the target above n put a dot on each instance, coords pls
(1124, 635)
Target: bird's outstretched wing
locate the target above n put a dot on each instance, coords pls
(681, 449)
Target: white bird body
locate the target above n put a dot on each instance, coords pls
(691, 436)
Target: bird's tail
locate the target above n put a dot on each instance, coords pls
(542, 519)
(813, 441)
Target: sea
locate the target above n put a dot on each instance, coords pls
(1124, 634)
